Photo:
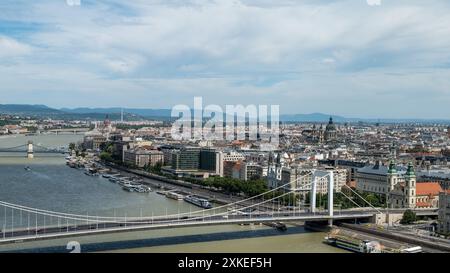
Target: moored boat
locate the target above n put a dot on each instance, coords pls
(200, 202)
(175, 196)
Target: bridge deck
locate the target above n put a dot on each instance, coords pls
(92, 229)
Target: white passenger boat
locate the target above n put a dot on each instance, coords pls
(200, 202)
(175, 196)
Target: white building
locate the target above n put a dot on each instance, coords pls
(399, 186)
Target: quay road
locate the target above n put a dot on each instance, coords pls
(134, 224)
(194, 189)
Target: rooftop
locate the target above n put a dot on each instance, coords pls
(428, 188)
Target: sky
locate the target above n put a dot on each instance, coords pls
(355, 58)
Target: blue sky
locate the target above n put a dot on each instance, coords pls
(339, 57)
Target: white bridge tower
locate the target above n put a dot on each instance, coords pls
(322, 174)
(30, 152)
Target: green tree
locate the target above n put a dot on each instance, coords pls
(409, 217)
(154, 169)
(72, 146)
(105, 156)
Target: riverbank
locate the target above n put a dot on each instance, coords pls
(173, 184)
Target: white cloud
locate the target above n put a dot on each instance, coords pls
(335, 56)
(12, 48)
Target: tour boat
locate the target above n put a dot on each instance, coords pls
(175, 196)
(200, 202)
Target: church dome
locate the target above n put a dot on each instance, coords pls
(331, 126)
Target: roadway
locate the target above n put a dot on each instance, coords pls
(134, 224)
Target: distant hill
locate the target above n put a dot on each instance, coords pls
(24, 109)
(315, 117)
(42, 111)
(114, 113)
(140, 112)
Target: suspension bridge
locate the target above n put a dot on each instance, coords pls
(30, 149)
(22, 223)
(68, 131)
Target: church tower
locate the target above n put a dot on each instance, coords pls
(392, 175)
(392, 180)
(321, 134)
(410, 187)
(393, 151)
(314, 133)
(330, 131)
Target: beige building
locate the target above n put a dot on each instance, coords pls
(427, 194)
(374, 179)
(94, 141)
(142, 157)
(250, 170)
(399, 187)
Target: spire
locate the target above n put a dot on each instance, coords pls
(392, 167)
(410, 171)
(393, 150)
(279, 158)
(270, 158)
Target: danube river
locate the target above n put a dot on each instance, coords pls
(51, 185)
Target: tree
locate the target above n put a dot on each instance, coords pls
(105, 156)
(409, 217)
(156, 169)
(72, 146)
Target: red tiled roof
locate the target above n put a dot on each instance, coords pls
(429, 188)
(352, 184)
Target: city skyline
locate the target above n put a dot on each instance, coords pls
(344, 58)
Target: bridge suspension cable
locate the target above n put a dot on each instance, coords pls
(97, 219)
(167, 219)
(56, 214)
(367, 202)
(13, 148)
